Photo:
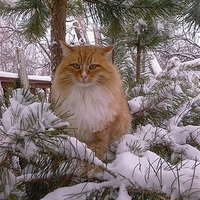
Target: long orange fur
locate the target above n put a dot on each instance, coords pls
(89, 87)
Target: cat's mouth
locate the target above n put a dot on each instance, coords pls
(84, 83)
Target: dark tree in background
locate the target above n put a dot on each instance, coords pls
(58, 30)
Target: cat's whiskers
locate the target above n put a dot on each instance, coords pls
(68, 80)
(96, 83)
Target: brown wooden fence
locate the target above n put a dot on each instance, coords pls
(11, 81)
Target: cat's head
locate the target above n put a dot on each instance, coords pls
(85, 64)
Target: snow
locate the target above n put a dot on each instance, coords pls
(155, 65)
(195, 63)
(123, 194)
(160, 26)
(76, 192)
(139, 25)
(136, 103)
(142, 22)
(146, 170)
(135, 166)
(10, 2)
(32, 77)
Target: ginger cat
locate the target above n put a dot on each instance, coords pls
(89, 86)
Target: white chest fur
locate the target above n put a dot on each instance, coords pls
(90, 108)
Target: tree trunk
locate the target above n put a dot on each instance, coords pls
(58, 30)
(97, 36)
(83, 29)
(138, 59)
(143, 61)
(78, 32)
(113, 52)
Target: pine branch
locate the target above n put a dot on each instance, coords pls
(35, 15)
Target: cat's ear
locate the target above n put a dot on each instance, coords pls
(108, 50)
(66, 49)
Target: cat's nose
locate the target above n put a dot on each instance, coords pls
(83, 76)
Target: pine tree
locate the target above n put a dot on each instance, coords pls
(191, 15)
(133, 27)
(159, 160)
(114, 16)
(37, 156)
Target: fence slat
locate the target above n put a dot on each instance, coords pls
(23, 77)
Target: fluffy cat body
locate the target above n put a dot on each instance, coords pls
(88, 86)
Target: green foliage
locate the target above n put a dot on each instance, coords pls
(26, 149)
(33, 16)
(116, 16)
(192, 117)
(74, 8)
(191, 14)
(162, 150)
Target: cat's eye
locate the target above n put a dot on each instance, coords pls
(92, 67)
(76, 66)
